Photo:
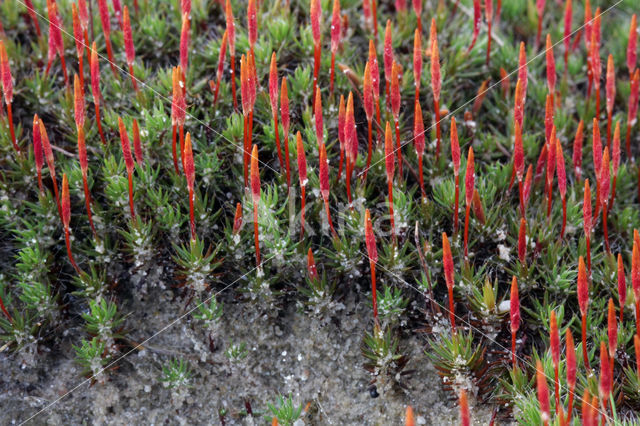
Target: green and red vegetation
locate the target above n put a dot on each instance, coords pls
(494, 308)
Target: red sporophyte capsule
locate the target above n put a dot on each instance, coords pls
(447, 261)
(551, 66)
(335, 26)
(230, 27)
(389, 157)
(5, 73)
(408, 418)
(436, 77)
(526, 191)
(375, 71)
(504, 82)
(350, 131)
(615, 153)
(610, 84)
(568, 12)
(455, 147)
(554, 339)
(605, 177)
(518, 153)
(284, 108)
(185, 6)
(367, 92)
(65, 202)
(465, 418)
(632, 45)
(244, 85)
(388, 52)
(604, 387)
(570, 356)
(77, 29)
(126, 146)
(315, 12)
(103, 10)
(577, 151)
(469, 179)
(522, 241)
(543, 393)
(184, 42)
(395, 90)
(302, 160)
(477, 16)
(612, 329)
(37, 148)
(255, 175)
(95, 74)
(635, 271)
(370, 238)
(128, 37)
(518, 107)
(78, 98)
(636, 347)
(55, 26)
(548, 118)
(273, 84)
(522, 71)
(418, 130)
(311, 267)
(318, 118)
(137, 144)
(178, 105)
(47, 151)
(622, 285)
(417, 59)
(237, 219)
(514, 306)
(189, 168)
(82, 152)
(83, 14)
(324, 172)
(342, 113)
(586, 209)
(633, 98)
(583, 287)
(220, 69)
(562, 176)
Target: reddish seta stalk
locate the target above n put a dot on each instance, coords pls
(302, 173)
(336, 32)
(255, 196)
(615, 160)
(78, 38)
(417, 8)
(189, 171)
(540, 11)
(583, 302)
(514, 312)
(518, 164)
(351, 145)
(56, 43)
(94, 65)
(341, 136)
(522, 242)
(447, 263)
(33, 16)
(178, 113)
(79, 113)
(488, 13)
(577, 151)
(372, 253)
(455, 158)
(469, 183)
(418, 140)
(465, 417)
(37, 151)
(46, 146)
(417, 63)
(604, 387)
(562, 183)
(128, 161)
(436, 81)
(389, 162)
(375, 85)
(66, 218)
(612, 332)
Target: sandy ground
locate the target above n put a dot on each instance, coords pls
(317, 361)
